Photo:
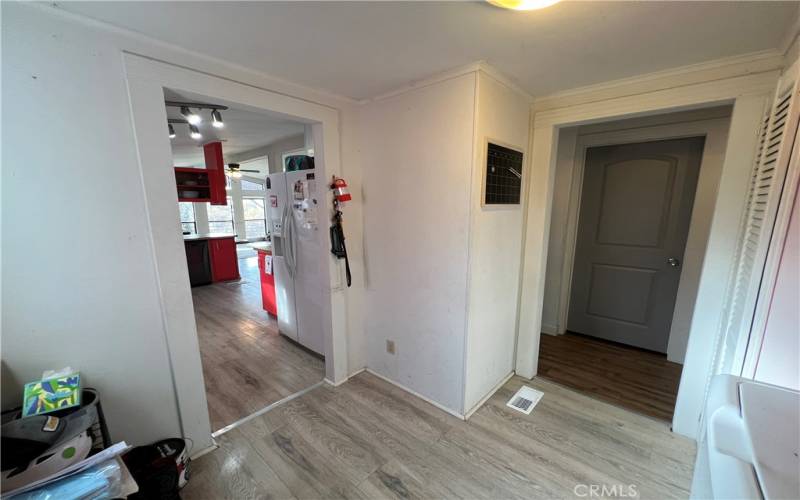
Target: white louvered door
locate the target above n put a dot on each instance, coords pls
(778, 132)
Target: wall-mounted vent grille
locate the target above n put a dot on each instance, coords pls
(503, 175)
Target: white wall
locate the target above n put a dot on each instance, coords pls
(779, 359)
(79, 284)
(417, 156)
(495, 247)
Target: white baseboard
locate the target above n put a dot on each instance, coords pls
(489, 394)
(204, 451)
(415, 393)
(329, 382)
(549, 329)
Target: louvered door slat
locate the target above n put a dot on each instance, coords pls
(763, 194)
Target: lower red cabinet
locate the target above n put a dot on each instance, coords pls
(268, 301)
(224, 262)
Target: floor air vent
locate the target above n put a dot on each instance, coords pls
(525, 399)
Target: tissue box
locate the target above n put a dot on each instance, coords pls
(51, 394)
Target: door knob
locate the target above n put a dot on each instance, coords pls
(672, 261)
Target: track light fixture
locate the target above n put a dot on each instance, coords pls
(194, 132)
(191, 117)
(216, 119)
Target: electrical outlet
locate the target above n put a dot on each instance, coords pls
(390, 346)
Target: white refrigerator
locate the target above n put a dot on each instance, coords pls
(293, 211)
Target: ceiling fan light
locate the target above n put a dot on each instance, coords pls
(216, 119)
(236, 174)
(523, 4)
(194, 132)
(171, 131)
(191, 117)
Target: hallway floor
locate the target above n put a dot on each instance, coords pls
(639, 380)
(370, 439)
(247, 364)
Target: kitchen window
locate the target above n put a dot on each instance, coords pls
(220, 217)
(188, 221)
(252, 186)
(255, 224)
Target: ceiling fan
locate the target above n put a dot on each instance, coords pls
(234, 171)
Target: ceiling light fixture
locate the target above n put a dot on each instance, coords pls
(194, 133)
(191, 117)
(216, 119)
(523, 4)
(171, 131)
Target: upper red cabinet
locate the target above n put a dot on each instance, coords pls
(216, 172)
(204, 184)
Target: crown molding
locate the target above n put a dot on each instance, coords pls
(504, 79)
(143, 45)
(426, 82)
(718, 69)
(474, 67)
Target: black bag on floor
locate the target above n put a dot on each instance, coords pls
(160, 469)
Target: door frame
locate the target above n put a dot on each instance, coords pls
(146, 78)
(715, 131)
(749, 94)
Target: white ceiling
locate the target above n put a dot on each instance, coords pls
(243, 131)
(364, 49)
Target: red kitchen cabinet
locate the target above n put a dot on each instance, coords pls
(224, 262)
(193, 184)
(215, 166)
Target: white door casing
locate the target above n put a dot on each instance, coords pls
(748, 93)
(146, 79)
(715, 131)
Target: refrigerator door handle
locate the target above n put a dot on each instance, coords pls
(287, 240)
(291, 240)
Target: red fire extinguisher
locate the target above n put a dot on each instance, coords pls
(338, 248)
(340, 190)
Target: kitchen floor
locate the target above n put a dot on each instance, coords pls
(247, 364)
(370, 439)
(640, 380)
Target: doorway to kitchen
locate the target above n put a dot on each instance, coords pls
(225, 159)
(631, 215)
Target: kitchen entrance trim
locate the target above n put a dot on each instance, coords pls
(146, 80)
(749, 95)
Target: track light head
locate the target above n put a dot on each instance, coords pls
(194, 132)
(171, 131)
(216, 119)
(191, 117)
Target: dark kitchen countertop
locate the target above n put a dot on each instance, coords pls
(264, 246)
(207, 236)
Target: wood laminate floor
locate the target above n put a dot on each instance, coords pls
(369, 439)
(247, 364)
(636, 379)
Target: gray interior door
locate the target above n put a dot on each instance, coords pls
(636, 205)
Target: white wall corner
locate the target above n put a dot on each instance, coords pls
(504, 79)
